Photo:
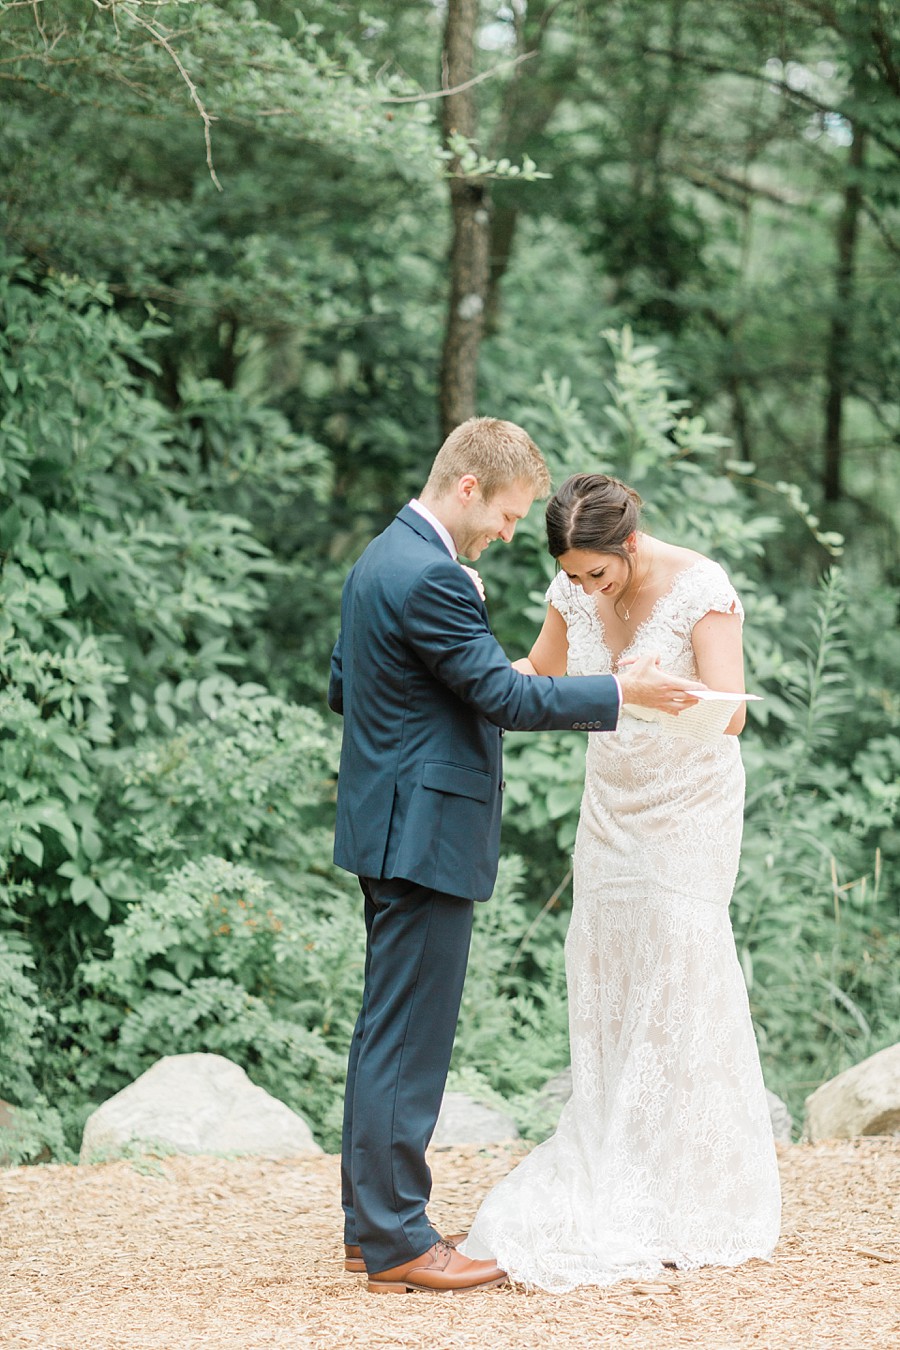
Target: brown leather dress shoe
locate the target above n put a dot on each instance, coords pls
(440, 1270)
(353, 1257)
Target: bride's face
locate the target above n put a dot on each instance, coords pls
(596, 573)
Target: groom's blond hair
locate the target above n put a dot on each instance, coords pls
(497, 453)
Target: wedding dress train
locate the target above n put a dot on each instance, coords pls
(664, 1151)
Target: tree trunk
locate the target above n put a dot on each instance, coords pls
(470, 210)
(530, 99)
(503, 232)
(839, 340)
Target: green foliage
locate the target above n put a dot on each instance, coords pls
(100, 527)
(513, 1027)
(20, 1017)
(220, 961)
(126, 748)
(211, 399)
(240, 774)
(817, 929)
(35, 1129)
(34, 1136)
(111, 576)
(261, 963)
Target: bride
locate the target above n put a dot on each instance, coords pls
(664, 1153)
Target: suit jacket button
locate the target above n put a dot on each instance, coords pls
(502, 784)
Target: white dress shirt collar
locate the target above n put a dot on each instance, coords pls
(445, 535)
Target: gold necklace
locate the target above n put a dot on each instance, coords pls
(626, 613)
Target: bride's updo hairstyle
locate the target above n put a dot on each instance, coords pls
(595, 513)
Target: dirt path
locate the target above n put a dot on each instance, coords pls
(244, 1255)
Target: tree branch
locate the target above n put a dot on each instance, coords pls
(162, 41)
(729, 187)
(467, 84)
(797, 95)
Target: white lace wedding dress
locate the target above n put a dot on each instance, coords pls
(664, 1151)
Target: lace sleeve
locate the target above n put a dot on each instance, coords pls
(711, 591)
(560, 595)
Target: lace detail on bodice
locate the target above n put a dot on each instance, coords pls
(699, 589)
(665, 1150)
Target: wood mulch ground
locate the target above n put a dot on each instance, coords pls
(241, 1254)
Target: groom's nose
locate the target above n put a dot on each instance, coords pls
(507, 532)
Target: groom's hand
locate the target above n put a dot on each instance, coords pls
(644, 683)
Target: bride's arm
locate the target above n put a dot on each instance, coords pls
(716, 639)
(550, 652)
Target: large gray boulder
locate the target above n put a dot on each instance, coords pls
(861, 1100)
(558, 1089)
(195, 1104)
(556, 1092)
(780, 1116)
(463, 1120)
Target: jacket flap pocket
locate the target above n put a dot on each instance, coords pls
(457, 779)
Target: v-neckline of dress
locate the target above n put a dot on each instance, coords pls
(615, 658)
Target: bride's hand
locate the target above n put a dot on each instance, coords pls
(643, 682)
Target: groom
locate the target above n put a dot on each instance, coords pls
(425, 692)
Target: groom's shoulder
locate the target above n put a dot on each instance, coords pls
(413, 539)
(401, 558)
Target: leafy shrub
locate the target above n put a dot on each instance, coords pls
(513, 1029)
(21, 1014)
(227, 769)
(815, 924)
(218, 960)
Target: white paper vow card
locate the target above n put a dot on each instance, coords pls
(705, 720)
(717, 696)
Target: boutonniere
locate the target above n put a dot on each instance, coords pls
(476, 579)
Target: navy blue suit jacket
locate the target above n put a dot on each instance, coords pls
(425, 691)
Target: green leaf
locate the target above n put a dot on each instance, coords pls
(186, 963)
(70, 786)
(33, 849)
(90, 842)
(166, 715)
(82, 888)
(164, 979)
(68, 744)
(99, 904)
(116, 885)
(561, 799)
(54, 817)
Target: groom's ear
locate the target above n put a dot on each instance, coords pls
(467, 487)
